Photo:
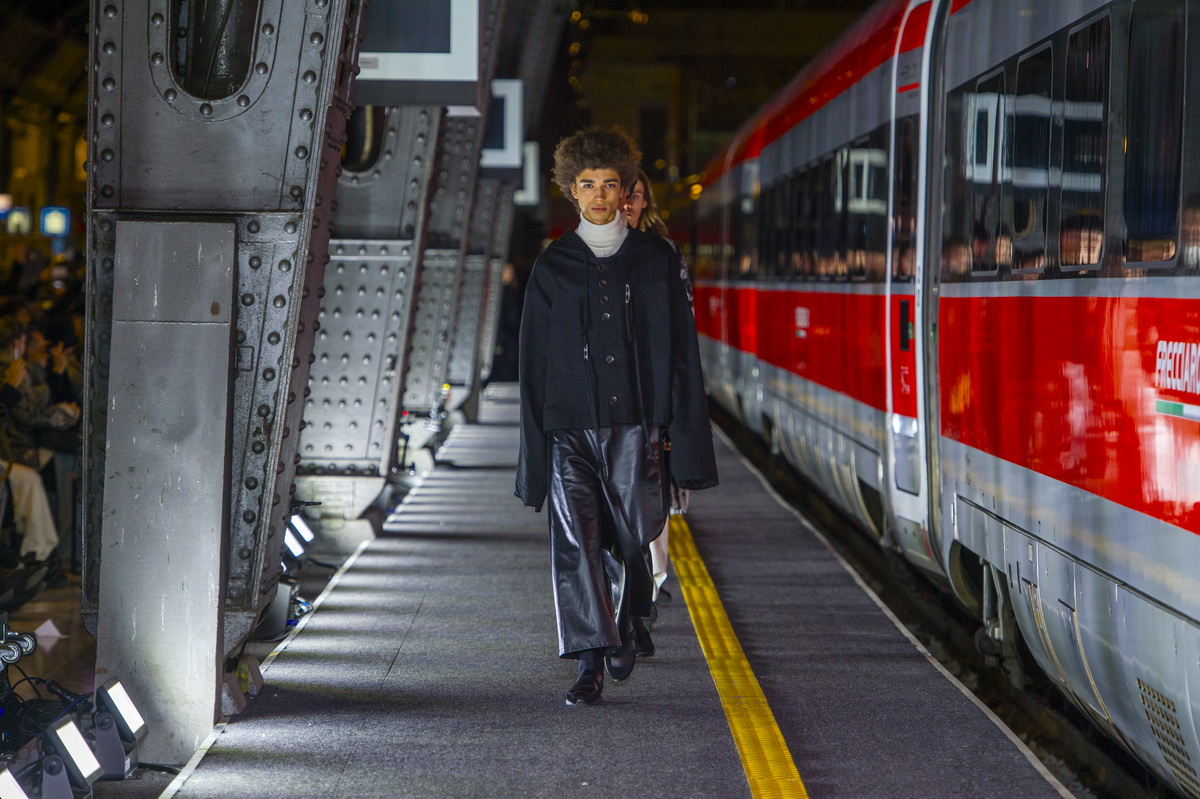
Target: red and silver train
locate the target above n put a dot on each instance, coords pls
(952, 272)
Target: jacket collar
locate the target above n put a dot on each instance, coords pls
(571, 242)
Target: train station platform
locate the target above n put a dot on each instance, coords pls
(428, 668)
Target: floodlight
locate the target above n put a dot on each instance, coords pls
(67, 740)
(113, 697)
(9, 787)
(302, 529)
(293, 543)
(117, 726)
(56, 780)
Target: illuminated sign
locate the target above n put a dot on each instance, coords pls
(5, 203)
(56, 221)
(420, 53)
(529, 191)
(504, 134)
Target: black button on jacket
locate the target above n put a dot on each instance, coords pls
(567, 332)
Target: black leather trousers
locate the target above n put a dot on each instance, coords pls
(606, 503)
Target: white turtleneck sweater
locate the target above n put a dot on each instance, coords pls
(603, 240)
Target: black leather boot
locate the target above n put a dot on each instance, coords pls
(590, 683)
(620, 660)
(641, 636)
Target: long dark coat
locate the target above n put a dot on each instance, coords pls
(611, 341)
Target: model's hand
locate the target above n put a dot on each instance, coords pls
(15, 373)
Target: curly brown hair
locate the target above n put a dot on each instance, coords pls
(595, 148)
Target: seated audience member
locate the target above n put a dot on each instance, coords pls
(30, 507)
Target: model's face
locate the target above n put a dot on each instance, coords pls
(635, 203)
(598, 192)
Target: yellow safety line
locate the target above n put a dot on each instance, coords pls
(765, 757)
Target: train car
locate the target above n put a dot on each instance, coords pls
(952, 273)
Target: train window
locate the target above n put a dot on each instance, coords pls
(991, 230)
(826, 237)
(795, 226)
(763, 233)
(956, 216)
(783, 227)
(807, 222)
(1085, 145)
(841, 205)
(1154, 119)
(778, 211)
(904, 199)
(858, 168)
(875, 205)
(1031, 159)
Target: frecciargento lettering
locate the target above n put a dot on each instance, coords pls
(1177, 366)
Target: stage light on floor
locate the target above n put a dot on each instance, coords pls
(117, 728)
(113, 697)
(69, 764)
(302, 529)
(9, 787)
(292, 541)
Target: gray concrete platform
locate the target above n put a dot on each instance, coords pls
(429, 668)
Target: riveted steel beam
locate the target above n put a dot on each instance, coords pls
(443, 261)
(501, 238)
(545, 23)
(348, 448)
(254, 152)
(492, 209)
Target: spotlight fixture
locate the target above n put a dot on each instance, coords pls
(117, 727)
(9, 787)
(292, 541)
(113, 698)
(70, 763)
(302, 529)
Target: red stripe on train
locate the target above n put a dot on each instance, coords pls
(1069, 387)
(834, 340)
(1094, 392)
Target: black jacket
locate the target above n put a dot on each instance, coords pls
(609, 341)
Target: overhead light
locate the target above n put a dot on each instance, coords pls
(9, 787)
(302, 528)
(75, 760)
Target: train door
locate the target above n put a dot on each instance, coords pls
(906, 470)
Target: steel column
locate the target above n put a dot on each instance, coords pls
(259, 162)
(442, 262)
(348, 447)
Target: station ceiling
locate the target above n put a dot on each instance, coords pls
(680, 75)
